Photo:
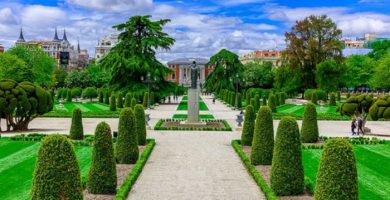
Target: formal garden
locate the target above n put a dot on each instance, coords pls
(129, 86)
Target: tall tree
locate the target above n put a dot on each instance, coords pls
(287, 79)
(379, 49)
(329, 75)
(311, 41)
(134, 56)
(227, 67)
(359, 70)
(59, 77)
(11, 67)
(259, 75)
(381, 76)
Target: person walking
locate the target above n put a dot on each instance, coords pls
(353, 126)
(360, 126)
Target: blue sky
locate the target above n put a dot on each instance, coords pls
(200, 27)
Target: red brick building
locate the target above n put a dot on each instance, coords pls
(182, 75)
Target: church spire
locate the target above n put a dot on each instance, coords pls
(78, 46)
(64, 38)
(55, 39)
(21, 37)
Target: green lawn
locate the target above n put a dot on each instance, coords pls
(184, 116)
(17, 162)
(299, 109)
(373, 163)
(89, 109)
(183, 104)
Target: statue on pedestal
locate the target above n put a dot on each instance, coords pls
(194, 75)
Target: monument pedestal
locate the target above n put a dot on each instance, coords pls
(193, 105)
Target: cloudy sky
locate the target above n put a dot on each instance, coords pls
(200, 27)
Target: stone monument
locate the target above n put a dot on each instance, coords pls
(193, 96)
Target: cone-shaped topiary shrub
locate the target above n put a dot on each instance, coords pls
(277, 99)
(309, 131)
(249, 124)
(102, 173)
(140, 123)
(120, 100)
(76, 129)
(272, 103)
(252, 102)
(69, 95)
(256, 107)
(337, 176)
(263, 138)
(128, 99)
(57, 171)
(338, 96)
(145, 100)
(107, 98)
(332, 100)
(314, 98)
(264, 103)
(113, 103)
(239, 101)
(152, 102)
(101, 96)
(133, 103)
(287, 170)
(127, 141)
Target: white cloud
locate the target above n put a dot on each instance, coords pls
(7, 16)
(42, 16)
(112, 5)
(239, 2)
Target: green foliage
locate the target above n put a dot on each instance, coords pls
(337, 175)
(133, 103)
(120, 100)
(264, 102)
(249, 125)
(381, 108)
(329, 75)
(90, 93)
(76, 92)
(272, 103)
(127, 142)
(359, 70)
(227, 67)
(380, 49)
(57, 172)
(92, 76)
(256, 106)
(287, 176)
(128, 100)
(356, 105)
(238, 101)
(288, 79)
(107, 98)
(263, 138)
(140, 124)
(69, 95)
(382, 73)
(101, 96)
(259, 75)
(59, 76)
(309, 131)
(332, 100)
(102, 173)
(145, 100)
(76, 129)
(321, 95)
(112, 103)
(339, 96)
(11, 67)
(314, 98)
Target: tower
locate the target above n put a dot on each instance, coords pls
(56, 39)
(21, 38)
(64, 38)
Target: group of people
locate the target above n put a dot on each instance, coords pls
(357, 126)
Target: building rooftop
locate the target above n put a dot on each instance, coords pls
(188, 61)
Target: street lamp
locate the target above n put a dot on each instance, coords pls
(149, 81)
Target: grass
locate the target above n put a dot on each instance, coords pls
(17, 163)
(89, 110)
(323, 112)
(185, 116)
(183, 106)
(372, 166)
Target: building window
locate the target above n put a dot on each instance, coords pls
(173, 76)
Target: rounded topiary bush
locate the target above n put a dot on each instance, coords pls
(309, 131)
(263, 138)
(287, 176)
(89, 93)
(128, 99)
(337, 175)
(140, 124)
(113, 103)
(272, 103)
(102, 173)
(127, 141)
(76, 129)
(248, 129)
(332, 100)
(120, 100)
(314, 98)
(57, 171)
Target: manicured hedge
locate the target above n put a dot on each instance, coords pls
(314, 98)
(287, 177)
(112, 103)
(249, 126)
(127, 142)
(57, 171)
(102, 173)
(140, 124)
(381, 108)
(159, 126)
(76, 128)
(337, 175)
(272, 103)
(309, 131)
(107, 98)
(120, 100)
(263, 138)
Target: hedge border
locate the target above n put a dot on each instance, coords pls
(159, 126)
(131, 179)
(268, 192)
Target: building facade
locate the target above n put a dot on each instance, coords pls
(104, 45)
(61, 50)
(182, 70)
(273, 56)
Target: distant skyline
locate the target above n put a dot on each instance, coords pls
(200, 27)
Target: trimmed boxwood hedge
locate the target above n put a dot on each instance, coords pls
(57, 171)
(314, 98)
(128, 99)
(249, 126)
(120, 100)
(107, 98)
(309, 131)
(337, 175)
(287, 177)
(102, 173)
(272, 103)
(112, 103)
(263, 138)
(140, 124)
(76, 129)
(127, 142)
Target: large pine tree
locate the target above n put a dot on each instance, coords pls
(134, 56)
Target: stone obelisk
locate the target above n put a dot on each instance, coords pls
(193, 96)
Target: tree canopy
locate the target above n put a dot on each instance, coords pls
(227, 67)
(311, 41)
(259, 75)
(329, 75)
(379, 49)
(381, 75)
(359, 70)
(11, 67)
